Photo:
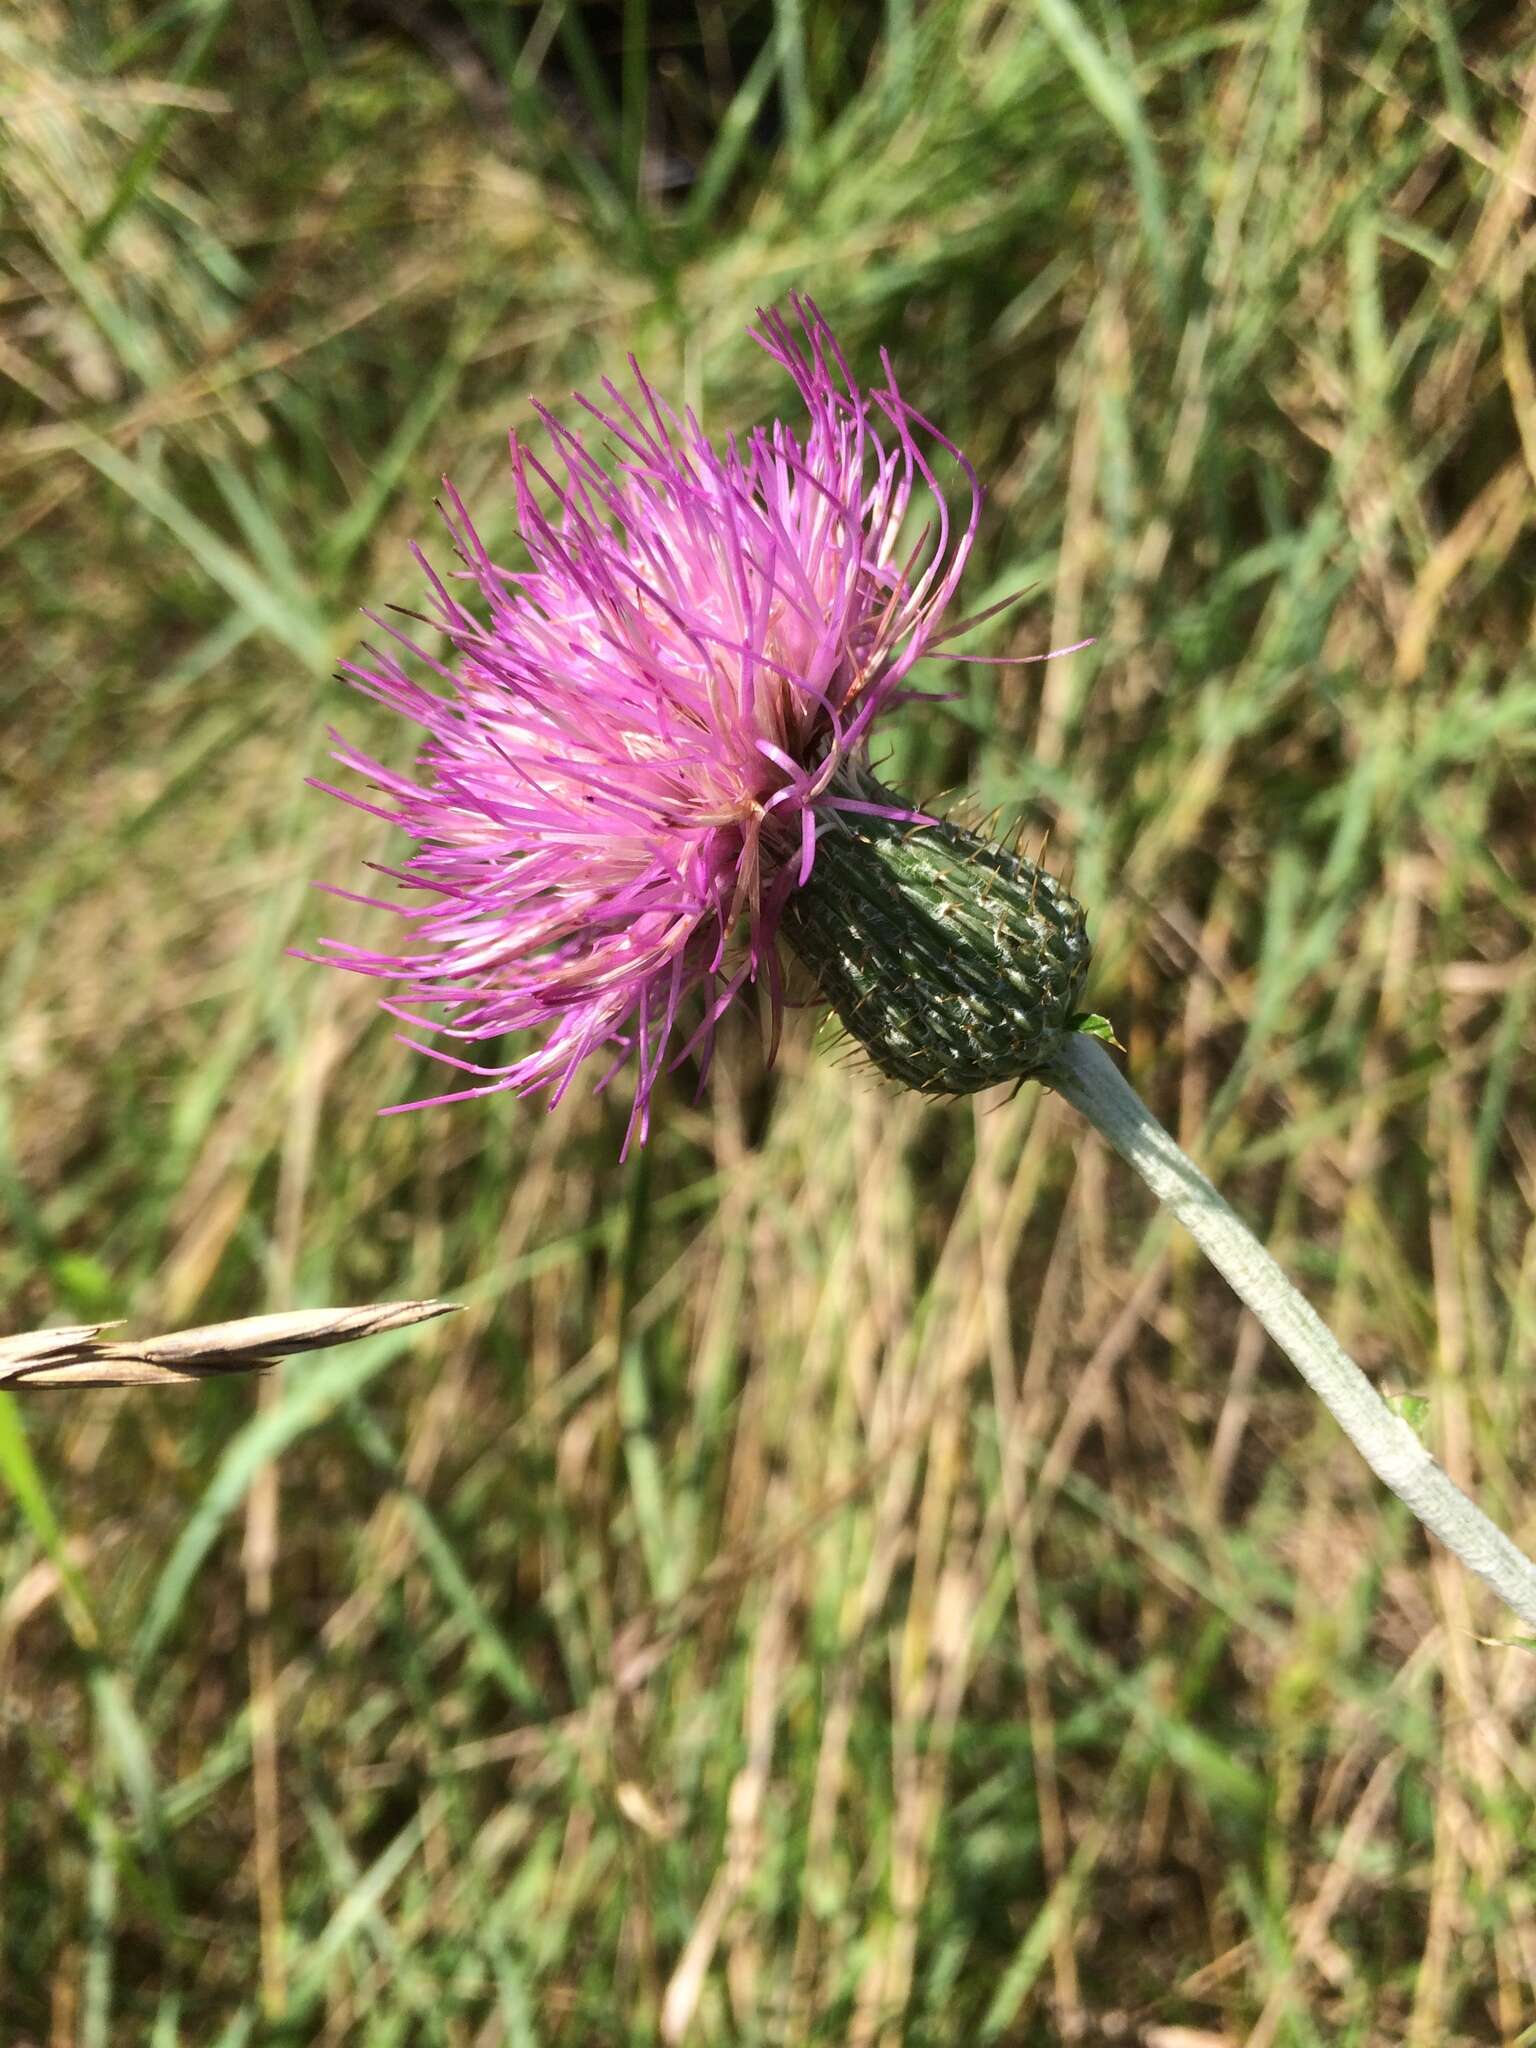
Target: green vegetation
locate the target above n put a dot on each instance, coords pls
(851, 1576)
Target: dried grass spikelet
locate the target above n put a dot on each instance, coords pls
(79, 1356)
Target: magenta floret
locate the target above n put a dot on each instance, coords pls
(625, 776)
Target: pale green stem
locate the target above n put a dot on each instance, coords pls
(1084, 1073)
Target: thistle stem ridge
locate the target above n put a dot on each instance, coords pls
(1084, 1075)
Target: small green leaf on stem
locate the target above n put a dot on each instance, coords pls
(1095, 1027)
(1412, 1408)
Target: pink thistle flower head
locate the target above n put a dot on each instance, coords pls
(642, 740)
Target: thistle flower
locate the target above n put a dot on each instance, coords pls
(656, 736)
(653, 753)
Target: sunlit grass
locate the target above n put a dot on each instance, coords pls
(849, 1576)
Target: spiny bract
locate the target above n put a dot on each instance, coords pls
(954, 963)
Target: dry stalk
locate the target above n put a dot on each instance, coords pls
(79, 1356)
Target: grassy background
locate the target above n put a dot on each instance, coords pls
(850, 1576)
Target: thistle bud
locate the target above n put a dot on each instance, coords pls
(953, 962)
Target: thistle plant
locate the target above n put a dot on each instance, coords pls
(646, 771)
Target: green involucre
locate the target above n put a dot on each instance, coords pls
(953, 962)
